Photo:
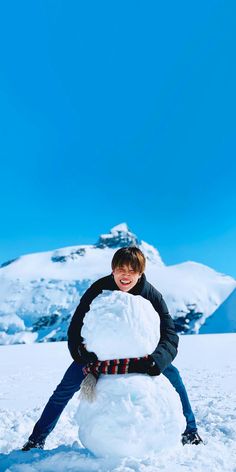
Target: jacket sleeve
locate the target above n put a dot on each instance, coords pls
(74, 330)
(166, 349)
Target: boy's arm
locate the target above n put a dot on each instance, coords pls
(75, 340)
(166, 349)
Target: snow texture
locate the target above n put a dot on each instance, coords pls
(29, 374)
(121, 325)
(132, 414)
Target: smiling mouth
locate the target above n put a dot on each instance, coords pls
(125, 282)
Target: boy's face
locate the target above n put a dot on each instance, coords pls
(125, 277)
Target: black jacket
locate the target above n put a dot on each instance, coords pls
(166, 349)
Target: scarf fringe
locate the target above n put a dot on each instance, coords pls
(88, 388)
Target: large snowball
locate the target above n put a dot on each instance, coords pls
(121, 325)
(133, 414)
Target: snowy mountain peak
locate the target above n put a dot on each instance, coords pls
(39, 292)
(123, 227)
(119, 236)
(151, 253)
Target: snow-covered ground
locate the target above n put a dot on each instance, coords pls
(29, 373)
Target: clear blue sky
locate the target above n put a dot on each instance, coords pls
(119, 111)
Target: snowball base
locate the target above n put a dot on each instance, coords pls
(133, 415)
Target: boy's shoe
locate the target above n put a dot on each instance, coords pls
(31, 444)
(191, 438)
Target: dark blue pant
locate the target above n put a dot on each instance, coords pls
(71, 383)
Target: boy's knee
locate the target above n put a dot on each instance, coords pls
(65, 391)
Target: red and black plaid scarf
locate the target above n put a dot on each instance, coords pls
(114, 366)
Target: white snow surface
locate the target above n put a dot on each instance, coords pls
(120, 325)
(29, 374)
(132, 414)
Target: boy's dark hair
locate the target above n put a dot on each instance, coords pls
(129, 256)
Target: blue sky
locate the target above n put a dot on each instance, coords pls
(119, 111)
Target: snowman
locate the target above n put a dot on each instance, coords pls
(131, 414)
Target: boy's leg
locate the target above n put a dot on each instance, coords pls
(173, 375)
(57, 402)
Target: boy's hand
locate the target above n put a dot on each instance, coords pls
(144, 366)
(86, 356)
(153, 369)
(141, 366)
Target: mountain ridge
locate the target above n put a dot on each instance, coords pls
(39, 292)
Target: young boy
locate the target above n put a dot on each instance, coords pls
(128, 265)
